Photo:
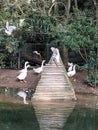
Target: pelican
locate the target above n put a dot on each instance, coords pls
(23, 95)
(39, 69)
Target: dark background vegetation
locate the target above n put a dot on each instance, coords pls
(70, 25)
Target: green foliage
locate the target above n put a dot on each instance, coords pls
(92, 59)
(80, 35)
(39, 26)
(79, 68)
(92, 79)
(2, 64)
(10, 43)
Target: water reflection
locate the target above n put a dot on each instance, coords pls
(11, 94)
(82, 119)
(17, 117)
(53, 115)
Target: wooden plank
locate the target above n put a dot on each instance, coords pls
(54, 84)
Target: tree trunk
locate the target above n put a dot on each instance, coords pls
(32, 59)
(96, 7)
(76, 4)
(64, 54)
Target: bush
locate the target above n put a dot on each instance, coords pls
(92, 79)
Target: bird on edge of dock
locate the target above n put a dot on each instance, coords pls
(70, 64)
(72, 72)
(39, 69)
(23, 95)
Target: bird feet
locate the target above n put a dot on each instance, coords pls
(23, 81)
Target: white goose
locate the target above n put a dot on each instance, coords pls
(23, 95)
(70, 66)
(25, 69)
(23, 75)
(39, 69)
(9, 29)
(73, 72)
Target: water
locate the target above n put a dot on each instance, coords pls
(54, 115)
(82, 119)
(17, 117)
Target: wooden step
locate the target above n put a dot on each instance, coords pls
(54, 84)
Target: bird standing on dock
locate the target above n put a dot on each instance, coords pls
(72, 72)
(70, 66)
(39, 69)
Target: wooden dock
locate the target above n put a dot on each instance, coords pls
(54, 84)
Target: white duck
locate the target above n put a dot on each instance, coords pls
(39, 69)
(70, 66)
(25, 69)
(73, 72)
(23, 95)
(9, 29)
(23, 75)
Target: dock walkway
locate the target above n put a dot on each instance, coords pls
(54, 84)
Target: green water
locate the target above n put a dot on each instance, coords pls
(82, 119)
(17, 117)
(24, 117)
